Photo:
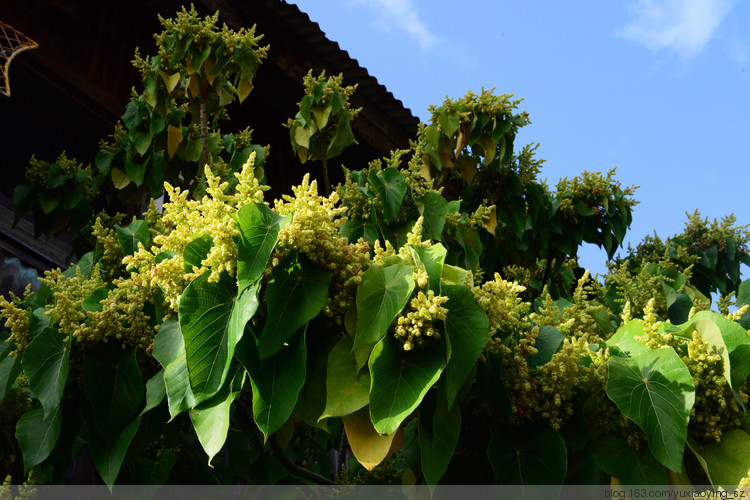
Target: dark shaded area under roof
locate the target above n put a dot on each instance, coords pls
(68, 93)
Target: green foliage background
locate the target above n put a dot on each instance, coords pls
(424, 322)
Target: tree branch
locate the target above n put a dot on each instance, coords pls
(294, 468)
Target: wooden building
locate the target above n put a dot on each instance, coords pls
(68, 93)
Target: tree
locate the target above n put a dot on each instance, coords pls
(430, 335)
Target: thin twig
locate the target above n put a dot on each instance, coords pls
(294, 468)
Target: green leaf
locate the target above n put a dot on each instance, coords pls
(624, 338)
(212, 319)
(141, 141)
(381, 296)
(449, 122)
(616, 457)
(430, 260)
(490, 383)
(321, 116)
(132, 116)
(45, 363)
(211, 418)
(156, 389)
(158, 124)
(399, 381)
(10, 367)
(109, 455)
(103, 160)
(346, 390)
(259, 231)
(37, 435)
(527, 455)
(547, 343)
(434, 208)
(276, 381)
(391, 188)
(196, 251)
(467, 332)
(169, 350)
(727, 461)
(439, 430)
(355, 228)
(709, 257)
(709, 333)
(468, 238)
(732, 333)
(129, 237)
(92, 303)
(656, 391)
(49, 201)
(114, 386)
(297, 291)
(454, 275)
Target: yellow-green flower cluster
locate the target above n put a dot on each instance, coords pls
(70, 292)
(417, 327)
(314, 232)
(501, 301)
(183, 220)
(314, 228)
(16, 319)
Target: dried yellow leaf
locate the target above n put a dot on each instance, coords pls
(174, 138)
(119, 178)
(244, 88)
(368, 446)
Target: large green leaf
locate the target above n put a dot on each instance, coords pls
(430, 260)
(356, 228)
(114, 387)
(624, 338)
(433, 207)
(276, 380)
(212, 320)
(391, 188)
(297, 291)
(467, 332)
(346, 390)
(259, 230)
(381, 296)
(469, 240)
(399, 381)
(490, 383)
(45, 363)
(211, 418)
(109, 455)
(37, 435)
(709, 333)
(733, 334)
(616, 457)
(196, 251)
(656, 391)
(527, 455)
(130, 236)
(439, 430)
(169, 350)
(727, 461)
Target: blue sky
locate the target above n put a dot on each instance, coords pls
(656, 88)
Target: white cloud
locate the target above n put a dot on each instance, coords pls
(685, 26)
(401, 14)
